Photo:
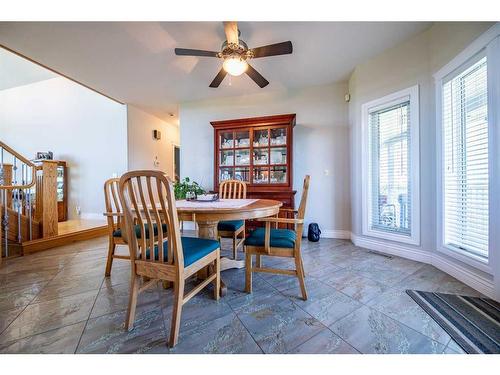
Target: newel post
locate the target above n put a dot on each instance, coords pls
(49, 198)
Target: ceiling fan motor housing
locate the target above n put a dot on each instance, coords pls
(232, 49)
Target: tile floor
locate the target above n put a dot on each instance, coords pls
(58, 301)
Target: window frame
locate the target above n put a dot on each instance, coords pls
(411, 94)
(481, 46)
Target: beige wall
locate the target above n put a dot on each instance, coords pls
(321, 143)
(143, 149)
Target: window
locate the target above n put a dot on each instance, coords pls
(468, 140)
(391, 202)
(465, 158)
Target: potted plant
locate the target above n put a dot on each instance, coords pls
(181, 188)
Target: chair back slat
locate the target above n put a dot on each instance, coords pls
(233, 189)
(168, 221)
(148, 201)
(148, 223)
(303, 200)
(157, 218)
(112, 203)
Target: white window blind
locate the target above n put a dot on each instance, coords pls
(389, 165)
(465, 157)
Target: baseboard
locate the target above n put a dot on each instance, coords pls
(336, 233)
(63, 239)
(392, 248)
(465, 275)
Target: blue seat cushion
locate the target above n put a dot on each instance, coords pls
(193, 249)
(279, 238)
(230, 225)
(137, 228)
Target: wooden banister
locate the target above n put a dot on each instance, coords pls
(25, 161)
(23, 218)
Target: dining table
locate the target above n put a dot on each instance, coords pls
(208, 214)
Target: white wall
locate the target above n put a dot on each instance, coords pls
(84, 128)
(410, 63)
(320, 143)
(143, 149)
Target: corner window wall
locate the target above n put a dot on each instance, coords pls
(390, 167)
(468, 181)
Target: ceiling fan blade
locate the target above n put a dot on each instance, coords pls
(283, 48)
(194, 52)
(218, 78)
(231, 30)
(256, 77)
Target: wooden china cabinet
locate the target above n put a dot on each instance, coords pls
(258, 151)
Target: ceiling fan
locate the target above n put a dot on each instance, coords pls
(236, 54)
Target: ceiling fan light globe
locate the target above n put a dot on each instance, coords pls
(235, 66)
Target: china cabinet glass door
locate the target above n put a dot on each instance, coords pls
(258, 156)
(234, 155)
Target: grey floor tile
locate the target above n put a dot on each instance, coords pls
(321, 272)
(358, 287)
(325, 342)
(107, 334)
(448, 350)
(284, 282)
(453, 286)
(378, 271)
(223, 335)
(22, 278)
(8, 316)
(453, 347)
(370, 331)
(427, 278)
(401, 307)
(69, 285)
(19, 296)
(58, 341)
(280, 327)
(45, 316)
(120, 273)
(235, 282)
(199, 310)
(324, 302)
(115, 298)
(256, 300)
(404, 265)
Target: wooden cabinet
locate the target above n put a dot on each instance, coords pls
(258, 151)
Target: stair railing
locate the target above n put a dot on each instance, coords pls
(17, 189)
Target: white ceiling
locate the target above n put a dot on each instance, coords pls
(135, 63)
(16, 71)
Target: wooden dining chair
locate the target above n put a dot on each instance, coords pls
(278, 242)
(148, 201)
(234, 229)
(114, 216)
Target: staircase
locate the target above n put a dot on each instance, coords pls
(28, 201)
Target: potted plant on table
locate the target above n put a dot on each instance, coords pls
(187, 189)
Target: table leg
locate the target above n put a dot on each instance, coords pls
(208, 229)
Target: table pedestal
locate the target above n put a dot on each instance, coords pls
(208, 229)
